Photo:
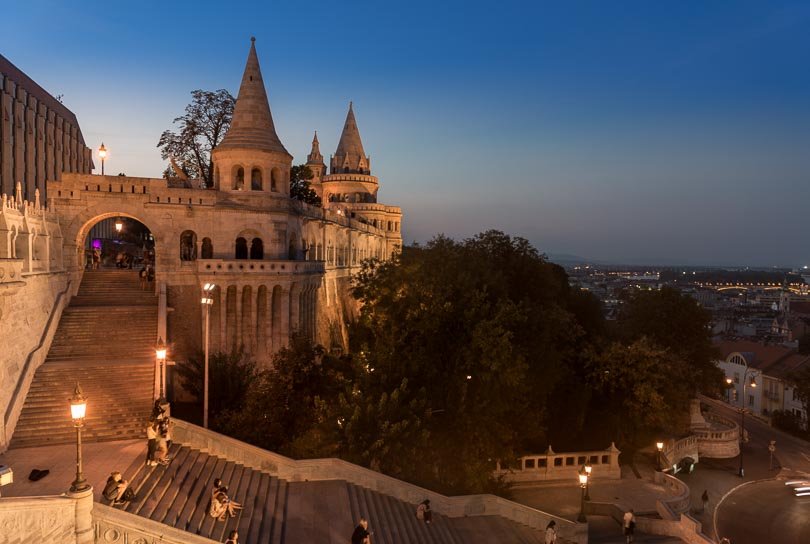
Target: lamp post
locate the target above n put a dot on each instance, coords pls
(588, 469)
(742, 417)
(102, 154)
(160, 355)
(659, 446)
(207, 302)
(78, 410)
(583, 483)
(728, 389)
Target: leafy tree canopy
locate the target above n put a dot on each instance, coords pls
(300, 185)
(199, 130)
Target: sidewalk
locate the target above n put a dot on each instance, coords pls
(98, 460)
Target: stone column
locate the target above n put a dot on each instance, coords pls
(6, 126)
(50, 150)
(84, 516)
(58, 148)
(73, 149)
(19, 140)
(223, 317)
(295, 308)
(42, 112)
(238, 317)
(284, 325)
(30, 148)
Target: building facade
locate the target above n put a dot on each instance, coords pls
(39, 137)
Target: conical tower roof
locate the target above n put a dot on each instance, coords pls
(252, 125)
(350, 144)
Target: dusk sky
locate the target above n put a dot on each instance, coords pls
(635, 132)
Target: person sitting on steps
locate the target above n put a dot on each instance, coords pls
(233, 538)
(117, 489)
(423, 511)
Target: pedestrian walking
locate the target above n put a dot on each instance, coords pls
(361, 534)
(551, 532)
(629, 525)
(142, 276)
(705, 499)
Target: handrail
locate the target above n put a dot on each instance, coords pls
(27, 365)
(137, 528)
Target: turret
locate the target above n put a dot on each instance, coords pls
(251, 157)
(350, 158)
(315, 161)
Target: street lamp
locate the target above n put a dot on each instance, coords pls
(78, 410)
(583, 483)
(588, 469)
(728, 389)
(160, 355)
(207, 301)
(660, 447)
(119, 225)
(102, 154)
(742, 417)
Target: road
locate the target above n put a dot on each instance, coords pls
(760, 508)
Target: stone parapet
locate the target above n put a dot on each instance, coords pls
(114, 525)
(258, 267)
(44, 520)
(721, 440)
(678, 503)
(550, 466)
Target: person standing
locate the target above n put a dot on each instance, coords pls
(152, 442)
(551, 532)
(629, 525)
(423, 511)
(361, 534)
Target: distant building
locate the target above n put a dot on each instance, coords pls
(39, 137)
(770, 367)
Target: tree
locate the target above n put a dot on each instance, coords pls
(230, 376)
(200, 130)
(484, 328)
(804, 344)
(675, 321)
(300, 185)
(801, 383)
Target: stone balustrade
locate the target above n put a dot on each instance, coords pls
(114, 525)
(721, 440)
(683, 526)
(671, 506)
(676, 450)
(63, 519)
(263, 266)
(561, 466)
(337, 469)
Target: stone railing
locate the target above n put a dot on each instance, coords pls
(337, 469)
(60, 519)
(264, 267)
(721, 440)
(675, 450)
(684, 527)
(562, 466)
(678, 503)
(113, 525)
(35, 358)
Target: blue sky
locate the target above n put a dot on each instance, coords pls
(646, 132)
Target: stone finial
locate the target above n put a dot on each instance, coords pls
(253, 39)
(18, 193)
(613, 448)
(36, 198)
(3, 200)
(549, 451)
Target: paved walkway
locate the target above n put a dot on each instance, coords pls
(98, 460)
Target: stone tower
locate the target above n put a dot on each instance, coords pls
(316, 166)
(251, 157)
(350, 179)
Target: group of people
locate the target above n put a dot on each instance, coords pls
(159, 436)
(221, 506)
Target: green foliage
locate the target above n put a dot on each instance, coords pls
(801, 381)
(229, 376)
(674, 321)
(284, 403)
(200, 129)
(804, 344)
(789, 422)
(300, 185)
(639, 390)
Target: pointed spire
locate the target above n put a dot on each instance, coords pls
(350, 143)
(252, 125)
(315, 156)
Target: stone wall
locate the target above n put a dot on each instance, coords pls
(549, 466)
(27, 306)
(112, 526)
(46, 520)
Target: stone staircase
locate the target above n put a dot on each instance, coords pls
(280, 512)
(105, 341)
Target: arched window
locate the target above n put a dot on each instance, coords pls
(188, 246)
(207, 249)
(238, 177)
(256, 180)
(241, 248)
(256, 249)
(275, 182)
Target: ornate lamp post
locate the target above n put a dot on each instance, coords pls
(207, 302)
(659, 446)
(728, 389)
(160, 355)
(78, 410)
(102, 154)
(583, 483)
(588, 469)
